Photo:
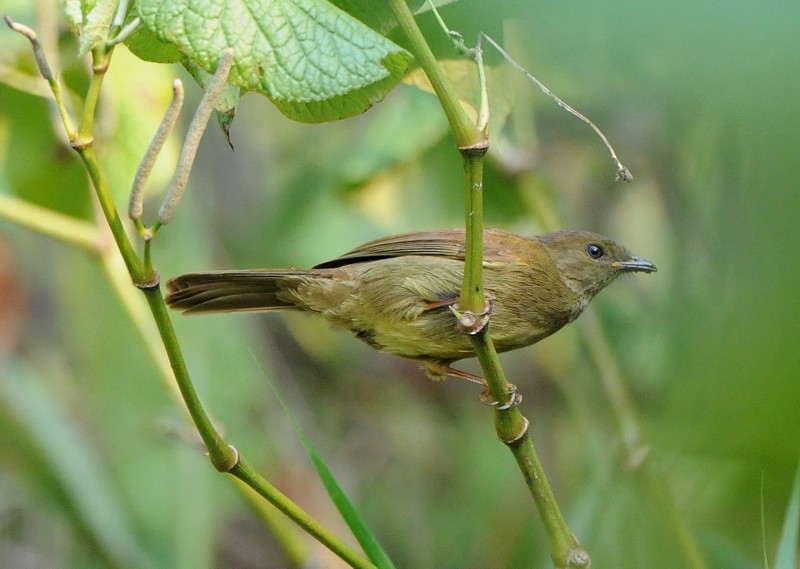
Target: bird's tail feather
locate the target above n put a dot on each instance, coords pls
(237, 291)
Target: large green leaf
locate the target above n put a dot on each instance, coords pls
(314, 61)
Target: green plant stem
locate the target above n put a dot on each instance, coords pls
(100, 61)
(465, 132)
(246, 474)
(103, 193)
(225, 458)
(87, 237)
(510, 425)
(280, 525)
(512, 428)
(138, 311)
(222, 456)
(472, 298)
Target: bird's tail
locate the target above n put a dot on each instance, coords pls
(238, 291)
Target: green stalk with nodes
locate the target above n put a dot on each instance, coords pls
(224, 457)
(474, 309)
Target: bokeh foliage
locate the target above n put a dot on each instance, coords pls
(98, 469)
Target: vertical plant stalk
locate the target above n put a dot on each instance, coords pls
(510, 425)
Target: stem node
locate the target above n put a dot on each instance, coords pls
(80, 144)
(476, 150)
(226, 461)
(146, 284)
(523, 431)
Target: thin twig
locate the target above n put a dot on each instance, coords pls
(120, 14)
(125, 32)
(483, 112)
(45, 71)
(38, 52)
(623, 174)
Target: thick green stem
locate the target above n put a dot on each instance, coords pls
(109, 209)
(512, 429)
(222, 456)
(565, 550)
(465, 132)
(472, 297)
(510, 425)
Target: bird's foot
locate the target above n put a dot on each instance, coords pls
(514, 398)
(472, 322)
(440, 370)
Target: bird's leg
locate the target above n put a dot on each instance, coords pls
(439, 370)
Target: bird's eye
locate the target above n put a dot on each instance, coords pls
(594, 251)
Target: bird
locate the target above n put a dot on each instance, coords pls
(398, 294)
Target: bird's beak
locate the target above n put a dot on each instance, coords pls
(635, 264)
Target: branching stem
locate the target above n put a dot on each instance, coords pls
(224, 457)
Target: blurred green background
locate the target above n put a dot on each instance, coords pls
(700, 99)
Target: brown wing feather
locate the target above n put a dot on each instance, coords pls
(498, 246)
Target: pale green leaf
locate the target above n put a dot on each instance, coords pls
(98, 21)
(73, 13)
(314, 61)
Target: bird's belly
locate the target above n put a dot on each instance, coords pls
(395, 315)
(431, 336)
(435, 334)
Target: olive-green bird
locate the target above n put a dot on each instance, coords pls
(395, 293)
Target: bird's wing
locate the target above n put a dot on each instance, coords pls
(446, 243)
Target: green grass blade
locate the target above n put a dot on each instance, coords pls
(369, 543)
(763, 526)
(787, 546)
(49, 447)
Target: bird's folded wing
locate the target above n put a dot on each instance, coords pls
(445, 243)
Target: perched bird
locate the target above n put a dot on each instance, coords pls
(395, 293)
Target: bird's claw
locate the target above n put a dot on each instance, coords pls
(514, 398)
(471, 322)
